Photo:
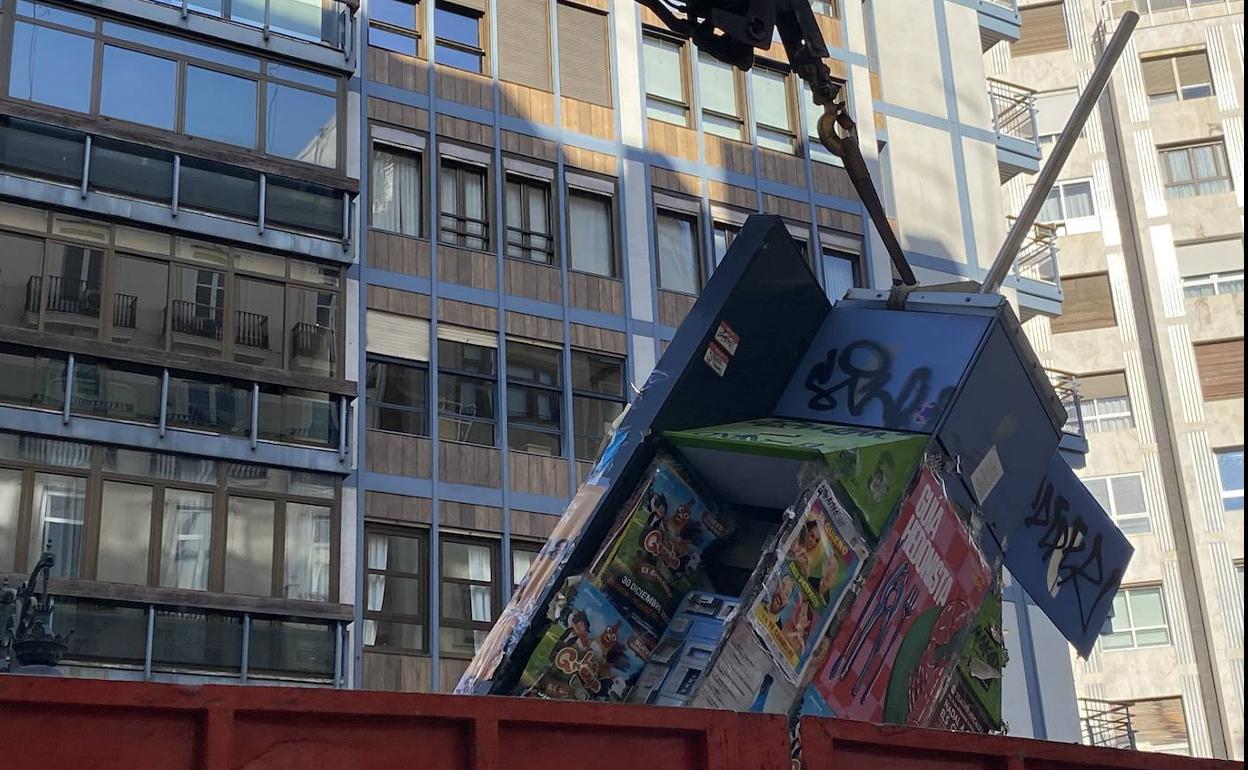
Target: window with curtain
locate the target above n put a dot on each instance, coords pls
(1231, 476)
(534, 399)
(840, 272)
(395, 613)
(722, 236)
(1068, 200)
(1123, 498)
(1176, 77)
(457, 34)
(663, 68)
(527, 203)
(395, 184)
(469, 594)
(397, 396)
(1196, 169)
(1139, 620)
(597, 399)
(773, 110)
(720, 91)
(58, 504)
(678, 252)
(591, 233)
(308, 548)
(461, 195)
(1105, 402)
(186, 539)
(467, 378)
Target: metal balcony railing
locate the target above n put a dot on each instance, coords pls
(1037, 256)
(1067, 387)
(125, 311)
(65, 295)
(1106, 723)
(1013, 109)
(196, 319)
(309, 340)
(251, 329)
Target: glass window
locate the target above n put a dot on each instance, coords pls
(20, 279)
(301, 125)
(663, 63)
(10, 502)
(152, 104)
(528, 220)
(197, 313)
(840, 272)
(591, 236)
(31, 378)
(1068, 200)
(1231, 474)
(309, 539)
(259, 317)
(1107, 413)
(73, 296)
(130, 169)
(249, 546)
(1198, 169)
(1210, 284)
(721, 98)
(186, 539)
(51, 67)
(298, 416)
(522, 556)
(1123, 498)
(678, 252)
(116, 390)
(461, 190)
(458, 38)
(397, 397)
(534, 399)
(1177, 77)
(42, 151)
(396, 187)
(774, 114)
(597, 399)
(221, 107)
(291, 647)
(219, 189)
(394, 616)
(185, 638)
(295, 205)
(58, 509)
(1139, 620)
(308, 19)
(102, 631)
(393, 24)
(125, 529)
(312, 317)
(722, 236)
(218, 407)
(466, 382)
(468, 592)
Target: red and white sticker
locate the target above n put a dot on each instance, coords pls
(716, 358)
(727, 338)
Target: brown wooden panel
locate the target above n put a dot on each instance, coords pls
(650, 19)
(530, 104)
(529, 146)
(394, 672)
(741, 197)
(1087, 303)
(582, 471)
(469, 464)
(535, 327)
(1159, 75)
(467, 314)
(598, 162)
(785, 168)
(398, 454)
(1159, 721)
(398, 253)
(673, 307)
(1221, 367)
(524, 43)
(398, 301)
(468, 267)
(1104, 385)
(465, 87)
(840, 220)
(594, 292)
(483, 518)
(534, 525)
(1043, 30)
(465, 130)
(538, 474)
(410, 510)
(671, 140)
(728, 154)
(596, 338)
(1193, 68)
(832, 180)
(798, 211)
(395, 69)
(529, 279)
(397, 114)
(451, 670)
(587, 118)
(584, 66)
(831, 29)
(674, 181)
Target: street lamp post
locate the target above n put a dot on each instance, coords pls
(27, 642)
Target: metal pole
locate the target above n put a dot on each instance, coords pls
(1057, 158)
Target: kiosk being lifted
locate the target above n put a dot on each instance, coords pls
(807, 509)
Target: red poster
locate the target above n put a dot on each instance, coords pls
(900, 640)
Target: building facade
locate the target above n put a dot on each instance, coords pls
(320, 312)
(1150, 211)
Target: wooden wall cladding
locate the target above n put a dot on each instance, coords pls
(484, 518)
(397, 114)
(1088, 303)
(582, 471)
(594, 292)
(727, 154)
(398, 301)
(468, 267)
(466, 130)
(1221, 368)
(798, 211)
(398, 508)
(465, 87)
(588, 160)
(451, 670)
(785, 168)
(398, 253)
(535, 525)
(538, 474)
(393, 672)
(529, 146)
(740, 197)
(596, 338)
(832, 180)
(650, 19)
(535, 327)
(831, 29)
(526, 103)
(673, 307)
(458, 313)
(480, 466)
(398, 454)
(587, 118)
(671, 140)
(529, 279)
(840, 220)
(674, 181)
(395, 69)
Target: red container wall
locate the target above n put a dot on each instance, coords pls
(96, 725)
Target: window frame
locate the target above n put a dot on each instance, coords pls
(531, 547)
(374, 403)
(492, 381)
(480, 51)
(414, 33)
(595, 395)
(699, 269)
(1172, 58)
(773, 133)
(682, 53)
(529, 186)
(444, 622)
(1133, 629)
(602, 196)
(1222, 283)
(1231, 493)
(458, 235)
(738, 97)
(1195, 182)
(1094, 422)
(1112, 508)
(1061, 189)
(522, 385)
(422, 538)
(393, 148)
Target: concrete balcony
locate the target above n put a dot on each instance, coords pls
(1074, 443)
(1035, 274)
(998, 20)
(1014, 120)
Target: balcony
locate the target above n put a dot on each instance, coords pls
(196, 319)
(312, 347)
(1105, 723)
(998, 20)
(1014, 120)
(1035, 274)
(1074, 442)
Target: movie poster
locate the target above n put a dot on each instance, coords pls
(648, 568)
(589, 652)
(897, 645)
(817, 562)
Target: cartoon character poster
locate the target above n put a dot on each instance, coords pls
(895, 648)
(648, 568)
(590, 651)
(818, 560)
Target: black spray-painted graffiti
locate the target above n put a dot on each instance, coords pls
(861, 373)
(1069, 555)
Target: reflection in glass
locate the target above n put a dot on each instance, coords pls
(103, 631)
(219, 189)
(302, 206)
(57, 509)
(116, 390)
(73, 295)
(138, 87)
(308, 537)
(258, 319)
(219, 407)
(249, 547)
(19, 277)
(591, 242)
(220, 106)
(131, 169)
(51, 67)
(40, 150)
(10, 499)
(298, 416)
(125, 528)
(291, 647)
(678, 254)
(312, 317)
(301, 125)
(197, 312)
(140, 297)
(197, 639)
(186, 539)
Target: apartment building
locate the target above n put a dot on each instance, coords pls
(1149, 212)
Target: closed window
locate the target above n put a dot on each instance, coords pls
(1123, 498)
(678, 255)
(528, 220)
(524, 42)
(1196, 169)
(469, 594)
(534, 399)
(1212, 267)
(813, 144)
(397, 396)
(1052, 111)
(722, 236)
(467, 378)
(591, 233)
(584, 63)
(720, 90)
(220, 106)
(1087, 303)
(597, 399)
(394, 25)
(396, 186)
(1177, 77)
(1231, 476)
(155, 104)
(1105, 401)
(1068, 200)
(664, 65)
(52, 66)
(522, 556)
(840, 272)
(1139, 620)
(1221, 368)
(461, 191)
(301, 125)
(773, 110)
(1043, 30)
(395, 614)
(458, 38)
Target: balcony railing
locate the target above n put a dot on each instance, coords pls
(1037, 256)
(1013, 109)
(1067, 387)
(1106, 723)
(309, 340)
(327, 23)
(65, 295)
(197, 319)
(125, 311)
(252, 329)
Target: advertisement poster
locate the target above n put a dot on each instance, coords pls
(745, 676)
(590, 652)
(818, 560)
(897, 645)
(649, 566)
